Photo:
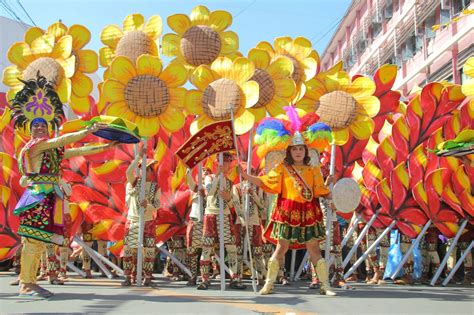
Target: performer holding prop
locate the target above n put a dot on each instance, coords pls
(151, 203)
(41, 206)
(296, 219)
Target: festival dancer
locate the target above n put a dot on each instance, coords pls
(151, 203)
(211, 225)
(429, 252)
(194, 228)
(296, 217)
(254, 226)
(41, 206)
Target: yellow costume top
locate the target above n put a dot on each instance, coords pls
(279, 181)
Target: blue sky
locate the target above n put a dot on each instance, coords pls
(254, 20)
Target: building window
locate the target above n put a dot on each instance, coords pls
(376, 29)
(444, 16)
(412, 45)
(429, 22)
(459, 5)
(388, 10)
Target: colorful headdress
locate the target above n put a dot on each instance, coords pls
(37, 99)
(277, 134)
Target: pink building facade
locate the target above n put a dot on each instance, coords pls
(376, 32)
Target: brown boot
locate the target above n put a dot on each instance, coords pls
(467, 276)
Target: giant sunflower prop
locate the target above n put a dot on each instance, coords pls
(44, 55)
(299, 50)
(145, 94)
(345, 105)
(223, 88)
(86, 60)
(273, 78)
(200, 38)
(134, 39)
(468, 85)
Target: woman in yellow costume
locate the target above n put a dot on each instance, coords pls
(41, 207)
(296, 219)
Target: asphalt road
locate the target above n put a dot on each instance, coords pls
(101, 295)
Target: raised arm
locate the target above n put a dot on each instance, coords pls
(87, 150)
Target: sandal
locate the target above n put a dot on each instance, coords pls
(56, 281)
(314, 285)
(126, 283)
(237, 285)
(203, 285)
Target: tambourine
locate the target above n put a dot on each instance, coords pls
(346, 195)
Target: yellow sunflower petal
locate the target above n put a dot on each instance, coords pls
(170, 45)
(20, 54)
(33, 33)
(172, 119)
(43, 46)
(63, 48)
(201, 122)
(284, 87)
(64, 90)
(300, 92)
(275, 107)
(80, 105)
(259, 113)
(307, 104)
(148, 127)
(468, 87)
(179, 23)
(177, 97)
(242, 70)
(111, 35)
(469, 67)
(266, 46)
(174, 75)
(282, 44)
(193, 102)
(199, 15)
(259, 57)
(340, 137)
(302, 47)
(80, 36)
(310, 67)
(81, 84)
(370, 105)
(362, 129)
(251, 92)
(362, 86)
(118, 109)
(68, 65)
(222, 66)
(113, 91)
(11, 74)
(154, 26)
(88, 61)
(202, 76)
(230, 42)
(57, 29)
(106, 55)
(281, 67)
(244, 122)
(147, 64)
(123, 69)
(133, 22)
(220, 20)
(12, 92)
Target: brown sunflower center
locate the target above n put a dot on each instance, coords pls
(297, 75)
(134, 44)
(147, 95)
(46, 67)
(200, 45)
(266, 87)
(220, 98)
(337, 109)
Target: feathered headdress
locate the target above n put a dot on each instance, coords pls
(275, 134)
(37, 99)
